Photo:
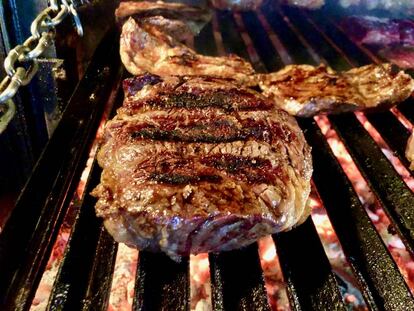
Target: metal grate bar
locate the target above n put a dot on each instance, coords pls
(326, 25)
(260, 38)
(407, 109)
(290, 37)
(29, 234)
(100, 278)
(312, 288)
(314, 38)
(204, 39)
(284, 55)
(85, 275)
(232, 40)
(233, 43)
(393, 133)
(237, 280)
(162, 284)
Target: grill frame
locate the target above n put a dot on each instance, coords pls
(84, 278)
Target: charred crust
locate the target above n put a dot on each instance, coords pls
(232, 163)
(178, 136)
(181, 179)
(250, 169)
(218, 131)
(228, 100)
(191, 101)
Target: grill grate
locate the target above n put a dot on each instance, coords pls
(271, 38)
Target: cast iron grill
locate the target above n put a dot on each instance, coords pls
(270, 38)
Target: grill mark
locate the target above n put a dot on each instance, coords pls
(180, 179)
(200, 121)
(252, 169)
(226, 100)
(174, 170)
(216, 131)
(157, 134)
(232, 163)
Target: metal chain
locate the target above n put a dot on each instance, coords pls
(21, 63)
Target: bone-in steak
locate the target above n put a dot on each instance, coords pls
(198, 164)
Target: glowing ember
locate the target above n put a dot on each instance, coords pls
(269, 254)
(200, 283)
(123, 281)
(45, 288)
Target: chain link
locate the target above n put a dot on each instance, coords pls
(10, 85)
(54, 4)
(24, 56)
(7, 115)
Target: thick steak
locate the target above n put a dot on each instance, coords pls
(198, 164)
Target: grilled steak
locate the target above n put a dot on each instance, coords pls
(304, 90)
(144, 48)
(198, 164)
